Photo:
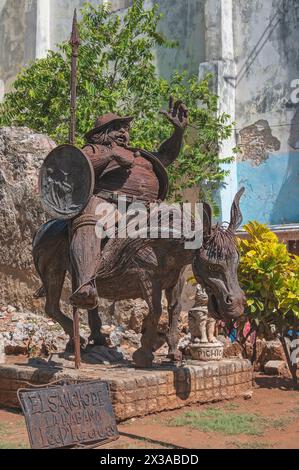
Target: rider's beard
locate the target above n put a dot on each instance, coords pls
(109, 137)
(119, 138)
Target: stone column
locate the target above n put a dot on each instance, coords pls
(220, 54)
(43, 28)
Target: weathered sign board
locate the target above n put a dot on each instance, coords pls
(68, 415)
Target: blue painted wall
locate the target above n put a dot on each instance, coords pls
(272, 189)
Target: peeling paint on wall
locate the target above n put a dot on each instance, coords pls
(256, 142)
(294, 131)
(267, 58)
(271, 189)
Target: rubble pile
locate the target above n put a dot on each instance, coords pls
(29, 334)
(37, 336)
(34, 335)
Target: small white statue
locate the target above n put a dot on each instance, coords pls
(201, 324)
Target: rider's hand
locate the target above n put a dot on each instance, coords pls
(123, 162)
(177, 114)
(122, 157)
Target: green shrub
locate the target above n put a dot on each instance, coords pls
(269, 275)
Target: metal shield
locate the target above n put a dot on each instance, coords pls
(66, 182)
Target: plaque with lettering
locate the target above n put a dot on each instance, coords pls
(68, 415)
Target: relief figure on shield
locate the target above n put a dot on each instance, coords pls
(119, 169)
(59, 189)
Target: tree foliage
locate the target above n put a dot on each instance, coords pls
(269, 275)
(117, 73)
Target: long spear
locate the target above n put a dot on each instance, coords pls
(75, 42)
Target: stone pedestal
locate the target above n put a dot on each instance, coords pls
(139, 392)
(206, 351)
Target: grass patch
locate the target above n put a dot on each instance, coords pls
(281, 423)
(12, 445)
(7, 432)
(223, 421)
(231, 406)
(139, 445)
(294, 410)
(3, 429)
(251, 445)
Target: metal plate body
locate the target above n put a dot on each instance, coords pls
(68, 415)
(66, 182)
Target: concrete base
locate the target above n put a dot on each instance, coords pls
(139, 392)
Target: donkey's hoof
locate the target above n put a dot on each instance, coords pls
(175, 356)
(70, 347)
(98, 340)
(85, 298)
(143, 358)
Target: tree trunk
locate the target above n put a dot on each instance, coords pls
(253, 359)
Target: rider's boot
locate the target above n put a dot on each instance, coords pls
(85, 251)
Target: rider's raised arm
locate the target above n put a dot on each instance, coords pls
(178, 116)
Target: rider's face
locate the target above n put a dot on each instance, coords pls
(120, 133)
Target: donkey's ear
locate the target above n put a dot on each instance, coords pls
(235, 212)
(207, 219)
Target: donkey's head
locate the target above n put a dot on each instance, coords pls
(216, 262)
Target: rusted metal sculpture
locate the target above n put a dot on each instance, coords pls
(96, 265)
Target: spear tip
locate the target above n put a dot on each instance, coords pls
(75, 40)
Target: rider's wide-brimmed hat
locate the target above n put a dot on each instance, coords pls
(106, 120)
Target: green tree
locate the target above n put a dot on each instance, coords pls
(117, 72)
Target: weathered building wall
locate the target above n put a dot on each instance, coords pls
(183, 22)
(219, 59)
(61, 13)
(28, 28)
(266, 37)
(17, 38)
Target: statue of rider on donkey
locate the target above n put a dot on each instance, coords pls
(75, 182)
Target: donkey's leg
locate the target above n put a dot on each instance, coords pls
(173, 296)
(53, 283)
(152, 294)
(50, 254)
(95, 324)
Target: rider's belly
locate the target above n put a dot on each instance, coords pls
(140, 180)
